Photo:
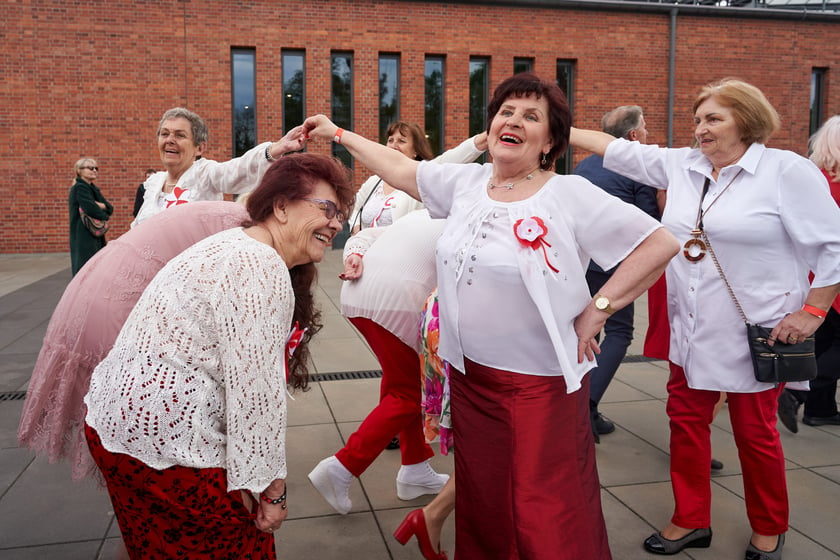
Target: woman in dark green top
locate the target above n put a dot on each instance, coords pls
(87, 196)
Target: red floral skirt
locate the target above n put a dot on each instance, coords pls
(179, 512)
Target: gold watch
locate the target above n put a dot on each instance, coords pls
(602, 303)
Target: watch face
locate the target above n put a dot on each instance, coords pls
(602, 303)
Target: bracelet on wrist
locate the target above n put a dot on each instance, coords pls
(337, 137)
(815, 311)
(268, 155)
(274, 501)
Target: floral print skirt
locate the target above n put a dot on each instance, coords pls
(435, 378)
(179, 512)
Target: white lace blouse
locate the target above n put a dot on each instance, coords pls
(197, 376)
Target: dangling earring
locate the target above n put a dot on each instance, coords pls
(544, 160)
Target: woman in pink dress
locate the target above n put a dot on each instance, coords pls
(88, 318)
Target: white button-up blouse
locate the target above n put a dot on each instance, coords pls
(511, 276)
(770, 220)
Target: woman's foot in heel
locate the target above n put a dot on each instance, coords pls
(415, 524)
(755, 553)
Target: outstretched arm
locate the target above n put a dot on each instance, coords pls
(396, 169)
(590, 140)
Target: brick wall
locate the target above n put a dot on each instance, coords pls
(92, 78)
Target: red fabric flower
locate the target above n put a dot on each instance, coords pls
(531, 233)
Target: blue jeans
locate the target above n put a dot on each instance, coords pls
(618, 333)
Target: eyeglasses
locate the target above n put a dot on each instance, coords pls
(94, 168)
(329, 208)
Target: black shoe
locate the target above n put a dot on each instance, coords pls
(822, 420)
(601, 425)
(698, 538)
(395, 444)
(788, 407)
(716, 465)
(755, 554)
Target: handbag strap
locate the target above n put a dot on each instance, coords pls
(723, 276)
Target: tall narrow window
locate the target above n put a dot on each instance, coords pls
(566, 79)
(479, 80)
(243, 77)
(389, 92)
(342, 100)
(294, 88)
(523, 65)
(434, 69)
(817, 98)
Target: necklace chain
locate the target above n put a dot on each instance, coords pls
(509, 185)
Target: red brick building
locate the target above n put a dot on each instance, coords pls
(92, 78)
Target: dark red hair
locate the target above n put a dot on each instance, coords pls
(293, 177)
(526, 84)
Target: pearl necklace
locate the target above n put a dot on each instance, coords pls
(509, 185)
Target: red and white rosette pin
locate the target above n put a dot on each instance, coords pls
(531, 233)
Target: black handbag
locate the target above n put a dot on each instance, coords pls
(779, 363)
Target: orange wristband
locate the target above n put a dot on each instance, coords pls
(337, 137)
(815, 311)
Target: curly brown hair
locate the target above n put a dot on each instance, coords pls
(293, 177)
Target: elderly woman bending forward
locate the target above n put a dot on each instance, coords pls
(770, 219)
(517, 319)
(189, 406)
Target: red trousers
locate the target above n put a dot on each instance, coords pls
(753, 417)
(525, 464)
(398, 411)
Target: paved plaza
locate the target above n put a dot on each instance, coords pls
(44, 515)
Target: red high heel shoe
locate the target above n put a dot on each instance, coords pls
(415, 524)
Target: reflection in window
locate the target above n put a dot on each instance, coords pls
(479, 78)
(243, 77)
(389, 92)
(817, 98)
(523, 65)
(342, 100)
(294, 91)
(434, 101)
(565, 79)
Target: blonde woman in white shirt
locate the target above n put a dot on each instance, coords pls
(187, 413)
(517, 322)
(770, 219)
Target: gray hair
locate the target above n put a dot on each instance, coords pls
(82, 163)
(199, 127)
(622, 120)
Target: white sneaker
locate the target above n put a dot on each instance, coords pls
(333, 480)
(415, 480)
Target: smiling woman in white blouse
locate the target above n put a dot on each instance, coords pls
(771, 220)
(517, 323)
(187, 413)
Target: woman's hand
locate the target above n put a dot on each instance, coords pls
(271, 516)
(794, 328)
(100, 204)
(353, 267)
(293, 141)
(319, 126)
(587, 326)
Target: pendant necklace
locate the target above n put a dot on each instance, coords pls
(694, 249)
(512, 184)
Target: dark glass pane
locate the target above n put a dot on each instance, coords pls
(389, 93)
(523, 65)
(434, 102)
(817, 99)
(565, 79)
(479, 78)
(243, 76)
(342, 100)
(294, 92)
